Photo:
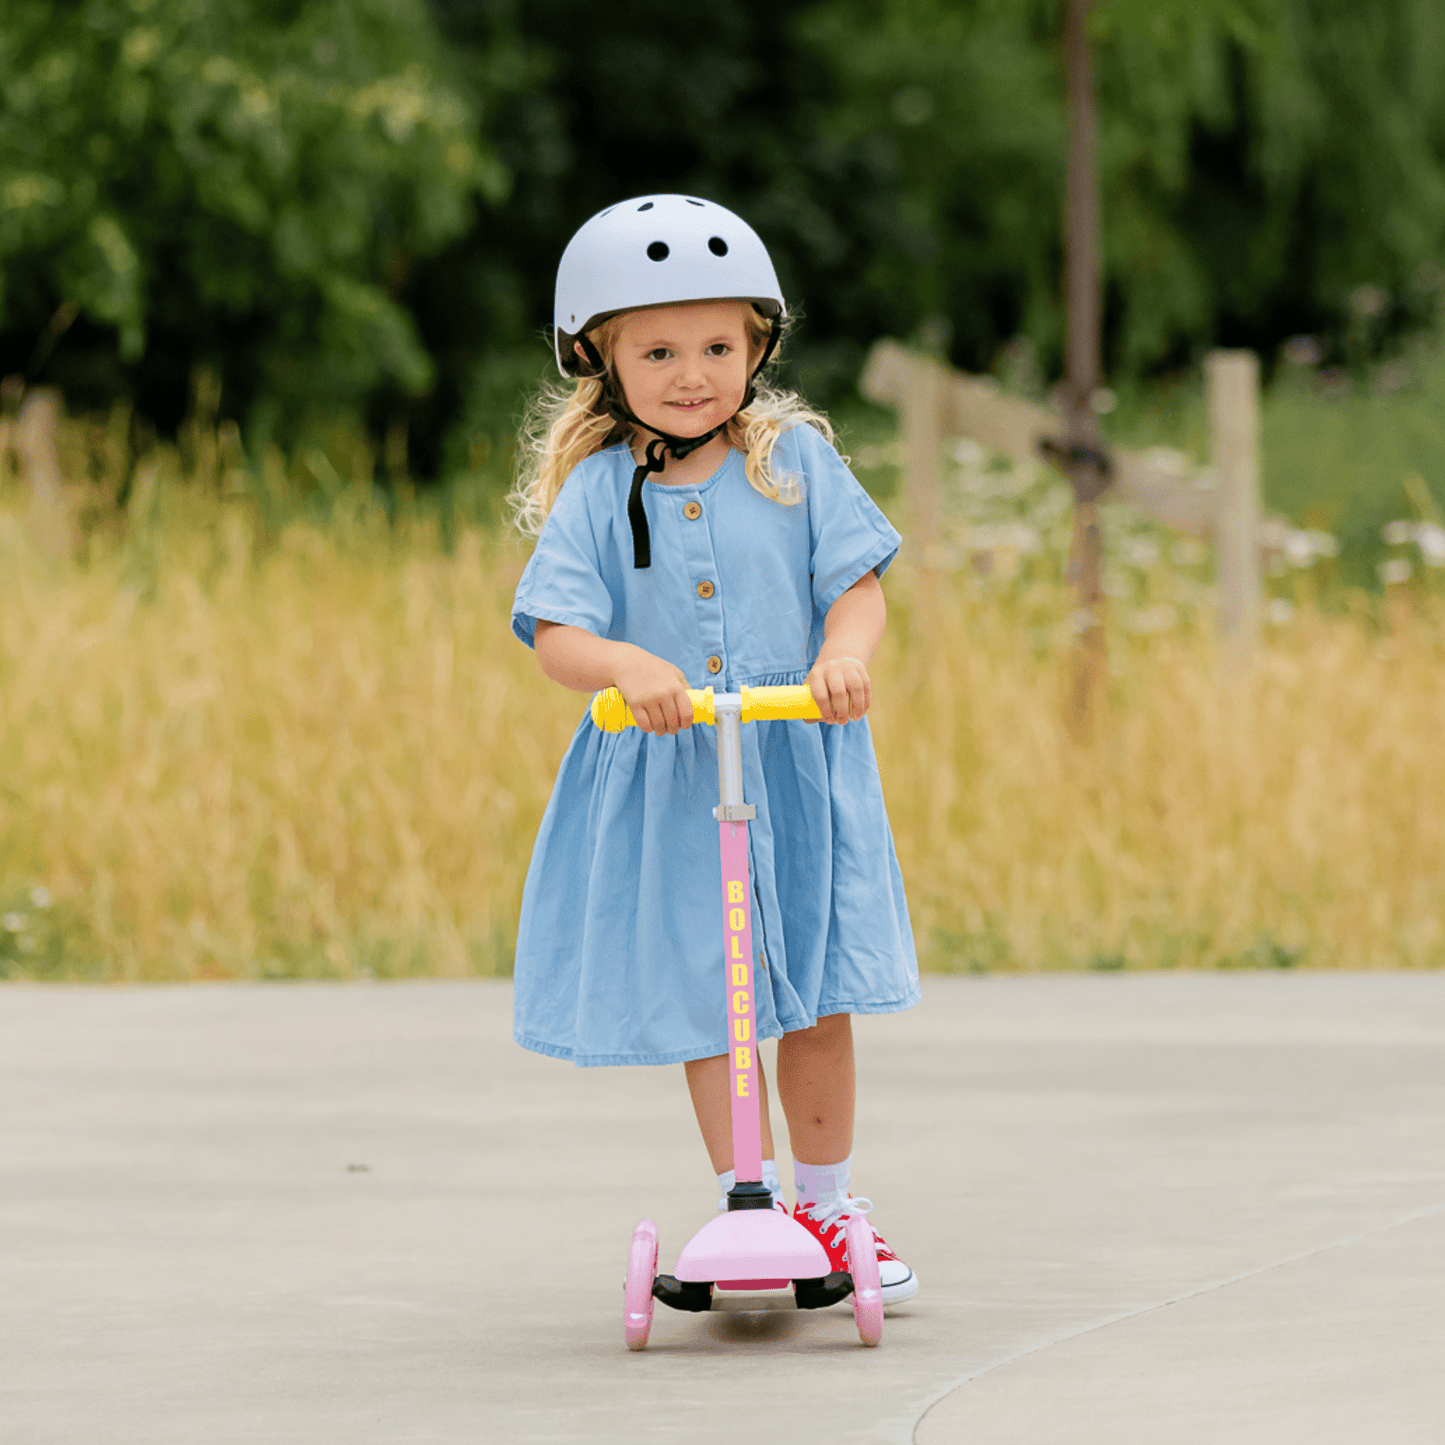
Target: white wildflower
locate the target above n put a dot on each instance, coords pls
(1299, 549)
(1430, 538)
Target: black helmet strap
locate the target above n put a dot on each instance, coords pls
(655, 454)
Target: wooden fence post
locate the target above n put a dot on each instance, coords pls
(35, 441)
(922, 434)
(1232, 384)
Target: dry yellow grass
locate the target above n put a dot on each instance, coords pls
(1294, 816)
(326, 756)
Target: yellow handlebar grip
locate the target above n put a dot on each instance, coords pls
(611, 714)
(762, 704)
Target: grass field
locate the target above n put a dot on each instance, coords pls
(238, 743)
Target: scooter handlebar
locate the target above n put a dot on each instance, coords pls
(759, 704)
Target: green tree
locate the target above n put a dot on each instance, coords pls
(1262, 163)
(241, 182)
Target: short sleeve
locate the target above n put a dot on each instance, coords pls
(563, 581)
(850, 535)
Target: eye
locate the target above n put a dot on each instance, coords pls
(658, 353)
(719, 348)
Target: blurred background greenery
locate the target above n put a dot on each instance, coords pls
(348, 212)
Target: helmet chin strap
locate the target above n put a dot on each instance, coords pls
(655, 453)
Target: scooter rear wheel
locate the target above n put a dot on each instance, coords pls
(637, 1293)
(867, 1289)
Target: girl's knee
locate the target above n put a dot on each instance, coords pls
(827, 1028)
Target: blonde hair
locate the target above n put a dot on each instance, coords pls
(566, 425)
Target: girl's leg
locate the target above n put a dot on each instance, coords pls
(816, 1089)
(709, 1082)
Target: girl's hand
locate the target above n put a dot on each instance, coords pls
(655, 690)
(841, 687)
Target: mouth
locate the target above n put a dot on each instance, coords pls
(690, 405)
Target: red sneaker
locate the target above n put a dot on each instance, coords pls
(828, 1221)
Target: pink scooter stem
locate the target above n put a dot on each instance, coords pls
(742, 1026)
(733, 816)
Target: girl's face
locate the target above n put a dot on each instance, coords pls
(684, 369)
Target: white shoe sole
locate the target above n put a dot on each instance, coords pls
(896, 1293)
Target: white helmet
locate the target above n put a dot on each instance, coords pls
(658, 251)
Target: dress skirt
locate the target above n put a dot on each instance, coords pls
(620, 947)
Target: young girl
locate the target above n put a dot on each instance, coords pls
(696, 528)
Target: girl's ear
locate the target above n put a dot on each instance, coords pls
(591, 362)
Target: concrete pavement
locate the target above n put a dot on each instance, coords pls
(1174, 1207)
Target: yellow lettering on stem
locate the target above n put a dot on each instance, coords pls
(743, 1058)
(742, 1030)
(737, 920)
(737, 947)
(740, 1001)
(740, 975)
(735, 890)
(743, 1087)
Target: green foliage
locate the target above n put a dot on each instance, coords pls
(904, 160)
(243, 181)
(1270, 166)
(289, 192)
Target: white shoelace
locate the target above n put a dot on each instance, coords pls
(833, 1214)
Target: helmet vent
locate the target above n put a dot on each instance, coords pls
(645, 206)
(718, 246)
(692, 202)
(657, 251)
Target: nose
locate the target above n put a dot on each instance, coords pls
(691, 377)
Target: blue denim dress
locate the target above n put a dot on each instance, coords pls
(619, 949)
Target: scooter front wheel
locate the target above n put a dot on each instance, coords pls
(637, 1293)
(867, 1289)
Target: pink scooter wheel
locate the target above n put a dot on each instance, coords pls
(867, 1291)
(637, 1294)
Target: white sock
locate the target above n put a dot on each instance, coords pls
(821, 1183)
(770, 1178)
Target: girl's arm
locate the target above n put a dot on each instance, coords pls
(652, 687)
(852, 631)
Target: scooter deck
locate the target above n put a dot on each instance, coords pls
(752, 1245)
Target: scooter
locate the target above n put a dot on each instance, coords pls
(753, 1256)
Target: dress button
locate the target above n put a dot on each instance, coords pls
(714, 664)
(692, 511)
(705, 589)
